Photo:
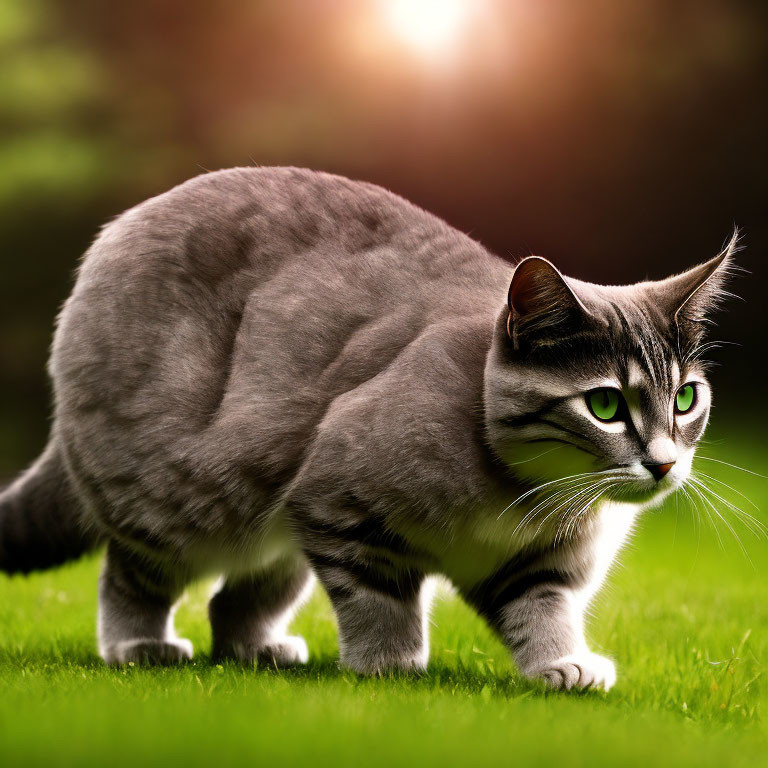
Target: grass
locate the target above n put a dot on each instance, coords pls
(684, 617)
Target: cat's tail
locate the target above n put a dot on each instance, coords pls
(39, 518)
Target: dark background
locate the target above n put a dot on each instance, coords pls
(623, 140)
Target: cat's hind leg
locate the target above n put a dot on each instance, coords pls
(135, 621)
(250, 615)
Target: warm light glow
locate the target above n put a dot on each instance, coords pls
(427, 25)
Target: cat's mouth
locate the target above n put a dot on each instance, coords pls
(570, 498)
(562, 481)
(628, 484)
(634, 492)
(641, 490)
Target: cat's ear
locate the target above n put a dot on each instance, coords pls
(689, 298)
(542, 305)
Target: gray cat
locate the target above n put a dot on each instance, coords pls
(273, 373)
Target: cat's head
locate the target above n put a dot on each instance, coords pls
(596, 391)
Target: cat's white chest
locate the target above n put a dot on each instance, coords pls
(490, 543)
(613, 527)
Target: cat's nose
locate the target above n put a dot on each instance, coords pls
(659, 470)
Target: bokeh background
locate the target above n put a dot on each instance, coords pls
(620, 139)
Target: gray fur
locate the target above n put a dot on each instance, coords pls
(267, 371)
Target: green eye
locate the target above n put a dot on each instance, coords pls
(686, 397)
(604, 403)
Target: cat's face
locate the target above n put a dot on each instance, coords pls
(596, 392)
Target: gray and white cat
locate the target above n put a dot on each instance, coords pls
(273, 373)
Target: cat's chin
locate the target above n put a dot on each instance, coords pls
(646, 497)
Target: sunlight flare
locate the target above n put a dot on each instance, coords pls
(427, 25)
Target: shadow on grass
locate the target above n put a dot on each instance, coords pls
(75, 659)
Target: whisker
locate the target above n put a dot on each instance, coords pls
(550, 499)
(571, 515)
(733, 466)
(598, 486)
(750, 522)
(704, 490)
(695, 478)
(574, 518)
(714, 527)
(697, 352)
(574, 484)
(677, 519)
(708, 501)
(730, 488)
(600, 483)
(692, 506)
(725, 522)
(586, 507)
(566, 505)
(538, 488)
(525, 461)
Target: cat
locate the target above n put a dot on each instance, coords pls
(277, 374)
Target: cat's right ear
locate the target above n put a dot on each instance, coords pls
(542, 305)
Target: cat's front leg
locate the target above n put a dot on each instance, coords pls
(370, 574)
(380, 630)
(540, 618)
(380, 610)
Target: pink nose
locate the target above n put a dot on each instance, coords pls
(659, 470)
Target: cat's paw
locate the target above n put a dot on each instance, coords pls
(145, 650)
(375, 663)
(286, 651)
(578, 670)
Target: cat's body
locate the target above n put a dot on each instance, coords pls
(271, 372)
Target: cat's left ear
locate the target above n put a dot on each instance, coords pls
(688, 298)
(543, 305)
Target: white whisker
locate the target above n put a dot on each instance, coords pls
(755, 526)
(600, 483)
(538, 488)
(701, 489)
(692, 506)
(733, 466)
(554, 496)
(533, 458)
(714, 527)
(573, 522)
(730, 488)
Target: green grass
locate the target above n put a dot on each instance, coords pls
(684, 618)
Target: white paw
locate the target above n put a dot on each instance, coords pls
(149, 651)
(579, 670)
(285, 651)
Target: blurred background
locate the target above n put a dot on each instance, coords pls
(623, 140)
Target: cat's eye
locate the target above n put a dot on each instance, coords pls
(605, 403)
(685, 398)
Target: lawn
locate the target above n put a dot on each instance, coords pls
(685, 618)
